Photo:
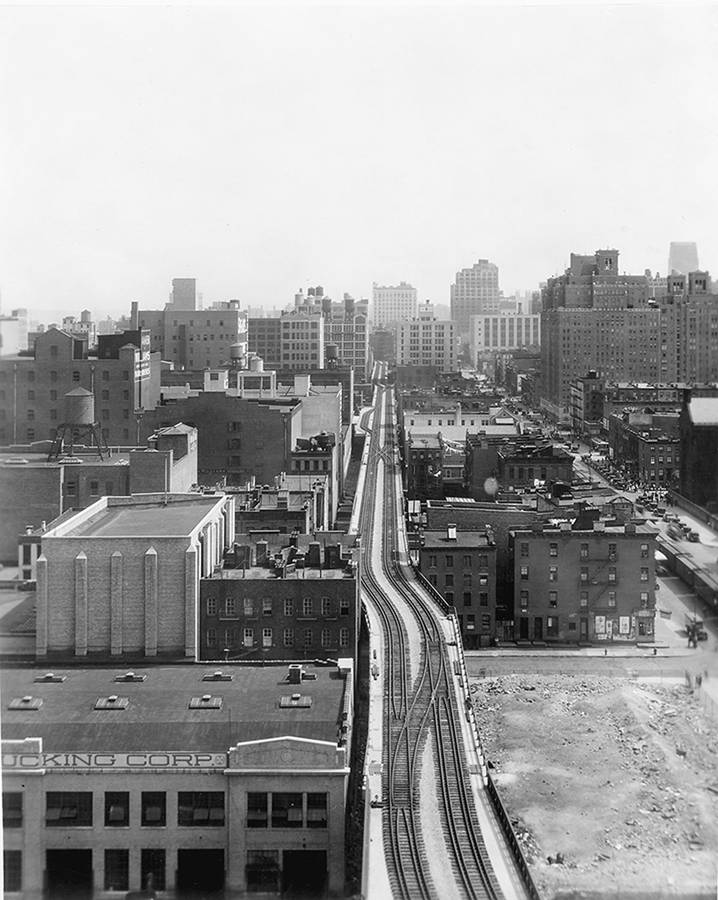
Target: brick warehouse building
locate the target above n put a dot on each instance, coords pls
(283, 600)
(461, 565)
(185, 778)
(123, 376)
(121, 577)
(584, 583)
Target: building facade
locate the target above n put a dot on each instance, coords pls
(699, 449)
(474, 291)
(391, 304)
(282, 600)
(121, 577)
(426, 341)
(461, 565)
(507, 331)
(123, 377)
(584, 584)
(186, 780)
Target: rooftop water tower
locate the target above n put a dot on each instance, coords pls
(79, 427)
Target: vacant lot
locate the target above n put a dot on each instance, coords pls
(618, 777)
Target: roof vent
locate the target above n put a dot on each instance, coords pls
(295, 674)
(130, 677)
(112, 702)
(217, 675)
(451, 532)
(26, 702)
(50, 678)
(206, 701)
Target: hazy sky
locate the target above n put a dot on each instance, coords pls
(266, 148)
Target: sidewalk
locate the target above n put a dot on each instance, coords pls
(643, 652)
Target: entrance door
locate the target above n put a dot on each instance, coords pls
(69, 874)
(538, 628)
(584, 630)
(304, 873)
(200, 873)
(523, 629)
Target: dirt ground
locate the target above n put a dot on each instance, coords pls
(620, 777)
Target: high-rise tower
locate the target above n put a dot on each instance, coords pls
(683, 257)
(475, 291)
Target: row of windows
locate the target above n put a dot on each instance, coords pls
(584, 574)
(553, 599)
(467, 596)
(105, 374)
(251, 607)
(584, 550)
(328, 638)
(117, 869)
(482, 561)
(194, 808)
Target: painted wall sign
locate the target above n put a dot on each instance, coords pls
(155, 759)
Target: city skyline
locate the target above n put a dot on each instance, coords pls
(344, 145)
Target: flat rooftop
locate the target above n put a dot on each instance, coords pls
(158, 717)
(20, 460)
(267, 574)
(179, 517)
(467, 539)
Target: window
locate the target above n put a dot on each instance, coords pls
(94, 488)
(267, 606)
(117, 870)
(553, 599)
(644, 551)
(117, 809)
(553, 573)
(31, 375)
(644, 573)
(75, 376)
(584, 551)
(467, 579)
(611, 598)
(53, 377)
(105, 395)
(31, 395)
(211, 606)
(154, 808)
(12, 809)
(153, 864)
(583, 598)
(211, 637)
(266, 637)
(326, 638)
(553, 549)
(524, 599)
(288, 637)
(450, 561)
(286, 810)
(467, 562)
(105, 375)
(343, 607)
(432, 579)
(12, 869)
(432, 560)
(200, 808)
(289, 607)
(584, 573)
(343, 637)
(257, 810)
(612, 574)
(326, 606)
(524, 549)
(644, 599)
(230, 608)
(68, 808)
(316, 810)
(524, 573)
(307, 637)
(449, 580)
(248, 639)
(307, 606)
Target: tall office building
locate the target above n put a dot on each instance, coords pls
(475, 291)
(184, 293)
(683, 257)
(426, 341)
(596, 319)
(393, 304)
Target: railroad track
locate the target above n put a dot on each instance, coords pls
(419, 707)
